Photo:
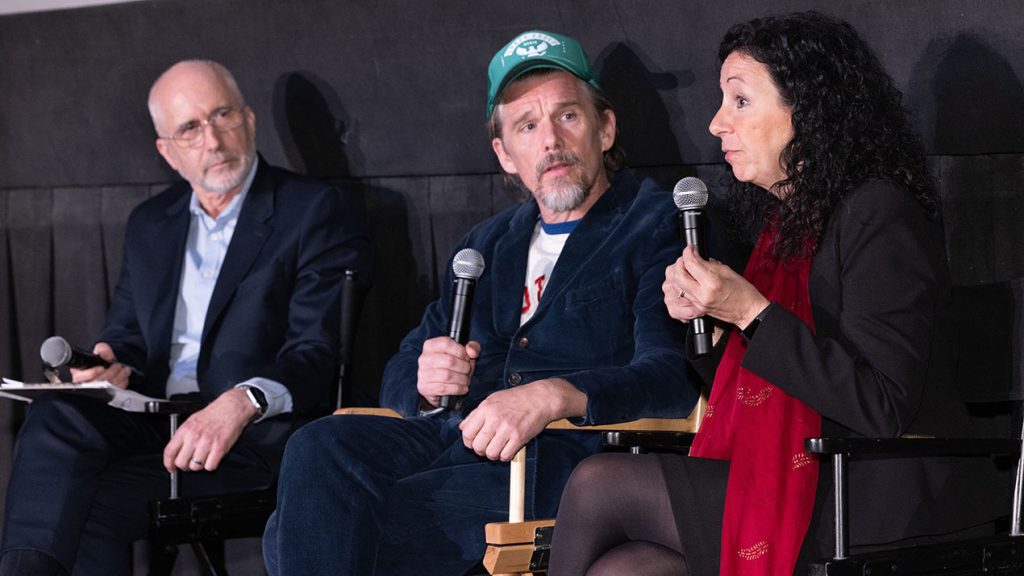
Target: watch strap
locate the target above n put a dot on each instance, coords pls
(748, 332)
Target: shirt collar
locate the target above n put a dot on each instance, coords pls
(559, 227)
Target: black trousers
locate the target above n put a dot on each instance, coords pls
(83, 474)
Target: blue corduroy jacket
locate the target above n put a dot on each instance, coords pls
(601, 323)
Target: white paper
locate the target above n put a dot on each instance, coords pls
(127, 400)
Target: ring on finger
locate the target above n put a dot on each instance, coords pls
(682, 294)
(197, 462)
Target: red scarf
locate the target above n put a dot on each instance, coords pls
(761, 430)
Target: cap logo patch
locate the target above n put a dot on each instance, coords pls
(531, 45)
(528, 51)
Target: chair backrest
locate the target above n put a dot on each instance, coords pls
(988, 325)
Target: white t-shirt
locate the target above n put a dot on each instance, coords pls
(545, 248)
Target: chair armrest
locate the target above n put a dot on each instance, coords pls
(688, 425)
(678, 425)
(913, 446)
(386, 412)
(172, 406)
(174, 409)
(840, 448)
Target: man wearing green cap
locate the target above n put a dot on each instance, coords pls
(568, 322)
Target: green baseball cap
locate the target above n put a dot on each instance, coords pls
(531, 50)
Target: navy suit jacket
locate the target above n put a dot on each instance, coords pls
(275, 309)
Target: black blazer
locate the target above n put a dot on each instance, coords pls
(275, 308)
(880, 364)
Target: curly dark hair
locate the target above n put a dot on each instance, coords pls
(848, 118)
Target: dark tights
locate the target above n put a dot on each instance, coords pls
(615, 518)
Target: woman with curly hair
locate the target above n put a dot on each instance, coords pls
(837, 327)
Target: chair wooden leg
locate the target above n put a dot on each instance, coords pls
(517, 487)
(516, 547)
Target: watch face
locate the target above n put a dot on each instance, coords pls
(258, 397)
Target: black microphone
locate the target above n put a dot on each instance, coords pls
(468, 265)
(57, 353)
(690, 196)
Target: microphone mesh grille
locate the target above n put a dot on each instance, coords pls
(690, 193)
(55, 351)
(468, 264)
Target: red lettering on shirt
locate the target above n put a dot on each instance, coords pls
(540, 285)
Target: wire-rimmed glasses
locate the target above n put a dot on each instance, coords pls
(191, 134)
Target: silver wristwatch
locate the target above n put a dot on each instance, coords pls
(258, 399)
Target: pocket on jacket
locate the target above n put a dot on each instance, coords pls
(607, 288)
(601, 314)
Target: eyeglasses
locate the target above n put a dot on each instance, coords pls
(192, 134)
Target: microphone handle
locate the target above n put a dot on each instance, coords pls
(84, 359)
(691, 224)
(701, 337)
(81, 358)
(459, 319)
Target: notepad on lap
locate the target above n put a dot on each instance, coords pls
(128, 400)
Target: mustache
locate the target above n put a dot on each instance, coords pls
(560, 157)
(218, 159)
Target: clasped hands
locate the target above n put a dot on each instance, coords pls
(203, 439)
(507, 419)
(696, 287)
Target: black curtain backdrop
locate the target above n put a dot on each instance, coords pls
(387, 97)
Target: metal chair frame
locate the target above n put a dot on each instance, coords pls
(205, 522)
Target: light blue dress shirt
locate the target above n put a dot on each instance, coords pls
(207, 244)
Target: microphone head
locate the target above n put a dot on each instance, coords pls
(468, 264)
(690, 194)
(55, 351)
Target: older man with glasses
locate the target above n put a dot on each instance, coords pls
(229, 294)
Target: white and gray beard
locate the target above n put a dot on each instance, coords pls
(231, 181)
(564, 197)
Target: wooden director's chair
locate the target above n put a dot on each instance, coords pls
(517, 547)
(522, 548)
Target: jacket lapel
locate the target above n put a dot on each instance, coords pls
(251, 232)
(168, 238)
(587, 238)
(509, 268)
